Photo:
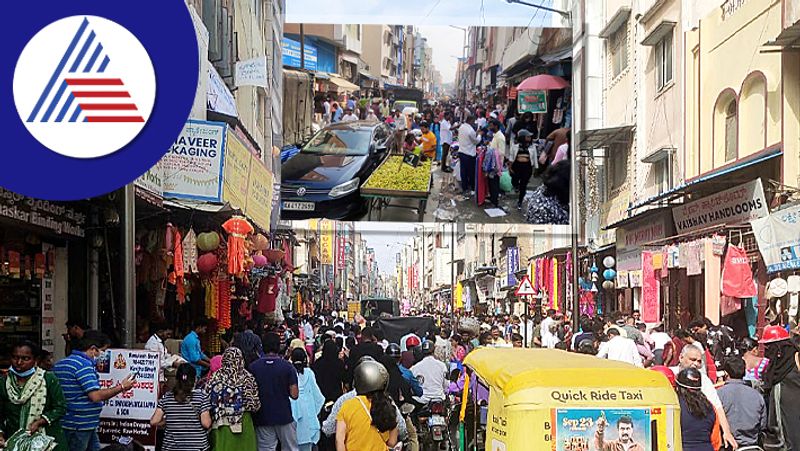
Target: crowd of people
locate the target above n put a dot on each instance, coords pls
(326, 383)
(494, 151)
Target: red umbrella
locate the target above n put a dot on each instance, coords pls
(543, 82)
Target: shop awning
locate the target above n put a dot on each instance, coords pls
(322, 75)
(688, 186)
(639, 217)
(605, 137)
(658, 33)
(616, 21)
(350, 58)
(206, 207)
(788, 39)
(366, 74)
(344, 85)
(560, 55)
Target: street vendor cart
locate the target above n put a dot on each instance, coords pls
(394, 183)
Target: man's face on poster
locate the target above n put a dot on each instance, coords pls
(625, 432)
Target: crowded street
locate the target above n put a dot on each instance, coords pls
(505, 225)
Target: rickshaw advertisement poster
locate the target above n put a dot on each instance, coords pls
(602, 429)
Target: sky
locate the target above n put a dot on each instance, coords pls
(387, 239)
(446, 43)
(419, 12)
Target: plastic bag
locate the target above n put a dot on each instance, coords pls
(22, 441)
(505, 182)
(457, 170)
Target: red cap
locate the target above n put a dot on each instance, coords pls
(666, 372)
(772, 334)
(412, 341)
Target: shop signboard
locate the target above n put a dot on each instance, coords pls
(778, 239)
(252, 72)
(532, 101)
(218, 97)
(740, 204)
(193, 166)
(55, 217)
(326, 242)
(512, 257)
(626, 428)
(259, 195)
(128, 414)
(151, 184)
(512, 93)
(48, 309)
(291, 54)
(353, 309)
(237, 171)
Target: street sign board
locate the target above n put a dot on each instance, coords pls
(525, 288)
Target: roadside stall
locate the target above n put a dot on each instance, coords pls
(554, 400)
(396, 182)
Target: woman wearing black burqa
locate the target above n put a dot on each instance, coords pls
(330, 372)
(782, 391)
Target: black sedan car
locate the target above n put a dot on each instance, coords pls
(323, 179)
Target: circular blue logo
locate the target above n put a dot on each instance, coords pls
(98, 92)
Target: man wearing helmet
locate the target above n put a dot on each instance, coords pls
(431, 374)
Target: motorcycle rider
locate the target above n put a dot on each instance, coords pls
(431, 374)
(393, 351)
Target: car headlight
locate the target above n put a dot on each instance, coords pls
(345, 188)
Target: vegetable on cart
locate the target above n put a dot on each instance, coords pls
(396, 180)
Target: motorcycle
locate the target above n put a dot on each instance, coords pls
(432, 427)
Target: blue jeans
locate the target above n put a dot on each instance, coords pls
(82, 440)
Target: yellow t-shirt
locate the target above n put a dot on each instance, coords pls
(361, 434)
(428, 143)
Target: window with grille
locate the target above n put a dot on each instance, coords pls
(664, 62)
(731, 130)
(618, 50)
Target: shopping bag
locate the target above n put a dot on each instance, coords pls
(457, 170)
(505, 182)
(22, 441)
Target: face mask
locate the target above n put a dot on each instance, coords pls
(23, 374)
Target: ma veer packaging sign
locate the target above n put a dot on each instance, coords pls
(128, 414)
(193, 166)
(732, 206)
(778, 238)
(214, 163)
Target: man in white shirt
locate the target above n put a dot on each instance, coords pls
(619, 349)
(548, 338)
(660, 340)
(432, 375)
(467, 150)
(326, 114)
(156, 344)
(349, 116)
(693, 357)
(446, 136)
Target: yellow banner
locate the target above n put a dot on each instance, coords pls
(259, 194)
(326, 242)
(237, 171)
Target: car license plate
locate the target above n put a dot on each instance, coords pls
(298, 206)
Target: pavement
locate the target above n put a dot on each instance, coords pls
(446, 204)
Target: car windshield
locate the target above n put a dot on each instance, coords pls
(344, 141)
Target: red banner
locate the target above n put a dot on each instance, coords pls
(512, 92)
(650, 290)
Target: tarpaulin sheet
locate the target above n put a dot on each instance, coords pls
(394, 328)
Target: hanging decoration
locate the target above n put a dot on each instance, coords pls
(238, 228)
(190, 252)
(609, 262)
(208, 241)
(609, 274)
(207, 263)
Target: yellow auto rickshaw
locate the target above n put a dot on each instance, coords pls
(551, 400)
